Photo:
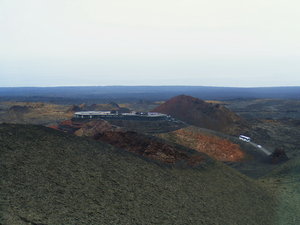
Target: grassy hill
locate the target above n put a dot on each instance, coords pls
(49, 177)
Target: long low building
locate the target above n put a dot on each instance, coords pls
(115, 115)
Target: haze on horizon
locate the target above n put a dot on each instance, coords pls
(159, 42)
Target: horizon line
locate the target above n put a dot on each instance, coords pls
(67, 86)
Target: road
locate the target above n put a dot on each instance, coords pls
(264, 150)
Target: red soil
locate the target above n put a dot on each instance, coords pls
(217, 148)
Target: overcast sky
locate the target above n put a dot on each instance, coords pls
(157, 42)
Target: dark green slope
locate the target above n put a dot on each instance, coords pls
(48, 177)
(291, 168)
(284, 181)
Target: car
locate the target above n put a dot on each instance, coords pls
(259, 146)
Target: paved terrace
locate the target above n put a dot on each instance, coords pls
(121, 116)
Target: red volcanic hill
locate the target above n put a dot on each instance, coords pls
(216, 147)
(197, 112)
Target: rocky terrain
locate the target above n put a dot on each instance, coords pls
(273, 122)
(266, 108)
(51, 177)
(283, 133)
(34, 113)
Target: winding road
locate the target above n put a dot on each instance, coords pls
(260, 148)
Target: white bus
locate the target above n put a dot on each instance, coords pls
(244, 138)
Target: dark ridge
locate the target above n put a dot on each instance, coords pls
(102, 94)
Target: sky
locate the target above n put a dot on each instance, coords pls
(237, 43)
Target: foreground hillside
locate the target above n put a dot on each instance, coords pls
(49, 177)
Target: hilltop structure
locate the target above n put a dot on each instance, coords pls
(115, 115)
